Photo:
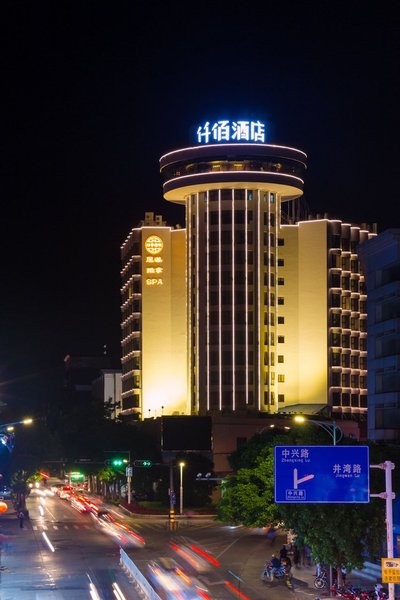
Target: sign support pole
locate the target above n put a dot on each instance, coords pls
(387, 495)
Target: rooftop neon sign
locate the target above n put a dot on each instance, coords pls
(231, 131)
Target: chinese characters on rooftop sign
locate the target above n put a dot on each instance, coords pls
(231, 131)
(154, 262)
(319, 474)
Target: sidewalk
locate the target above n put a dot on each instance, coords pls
(20, 567)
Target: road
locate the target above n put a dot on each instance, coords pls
(70, 556)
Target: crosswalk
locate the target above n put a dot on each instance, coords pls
(46, 527)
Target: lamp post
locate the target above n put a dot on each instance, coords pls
(10, 425)
(332, 429)
(328, 426)
(181, 465)
(7, 432)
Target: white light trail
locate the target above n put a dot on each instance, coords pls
(48, 542)
(117, 591)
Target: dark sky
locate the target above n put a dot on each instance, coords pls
(93, 93)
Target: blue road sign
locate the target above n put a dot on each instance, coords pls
(321, 474)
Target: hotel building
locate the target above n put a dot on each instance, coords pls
(154, 365)
(276, 311)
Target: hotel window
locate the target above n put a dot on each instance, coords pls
(335, 319)
(354, 400)
(355, 267)
(354, 287)
(346, 361)
(345, 263)
(346, 341)
(363, 325)
(281, 300)
(281, 378)
(281, 242)
(272, 198)
(354, 304)
(346, 302)
(354, 381)
(336, 398)
(335, 300)
(335, 359)
(281, 358)
(335, 339)
(265, 397)
(281, 339)
(354, 323)
(354, 345)
(335, 379)
(281, 320)
(281, 397)
(354, 362)
(345, 399)
(346, 322)
(363, 344)
(281, 262)
(281, 281)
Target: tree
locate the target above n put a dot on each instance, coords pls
(338, 534)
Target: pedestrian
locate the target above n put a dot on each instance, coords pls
(344, 573)
(283, 552)
(271, 535)
(296, 556)
(307, 555)
(21, 518)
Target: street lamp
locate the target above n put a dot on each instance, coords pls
(328, 426)
(181, 465)
(9, 426)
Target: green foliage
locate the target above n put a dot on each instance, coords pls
(337, 533)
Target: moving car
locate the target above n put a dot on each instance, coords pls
(171, 582)
(123, 534)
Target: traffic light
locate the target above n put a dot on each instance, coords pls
(142, 463)
(119, 462)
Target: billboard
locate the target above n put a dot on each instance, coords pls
(186, 434)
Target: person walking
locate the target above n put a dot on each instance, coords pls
(283, 552)
(271, 535)
(21, 518)
(296, 556)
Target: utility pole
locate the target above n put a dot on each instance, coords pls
(389, 496)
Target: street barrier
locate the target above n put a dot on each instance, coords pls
(136, 576)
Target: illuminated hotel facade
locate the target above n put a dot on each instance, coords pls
(153, 328)
(275, 311)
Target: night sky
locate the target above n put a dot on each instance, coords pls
(93, 93)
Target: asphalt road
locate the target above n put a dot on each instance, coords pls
(85, 560)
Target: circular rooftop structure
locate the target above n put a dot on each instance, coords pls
(199, 168)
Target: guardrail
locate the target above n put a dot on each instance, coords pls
(136, 576)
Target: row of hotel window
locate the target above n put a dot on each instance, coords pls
(348, 303)
(134, 327)
(227, 216)
(346, 380)
(348, 361)
(355, 400)
(345, 340)
(345, 321)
